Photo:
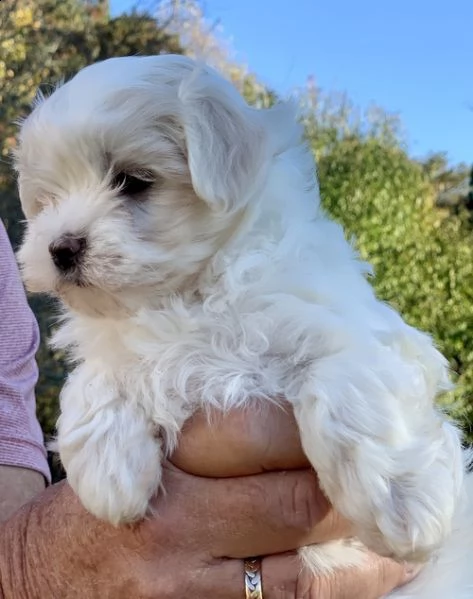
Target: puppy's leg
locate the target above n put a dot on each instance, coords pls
(108, 447)
(392, 469)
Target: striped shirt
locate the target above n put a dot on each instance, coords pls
(21, 439)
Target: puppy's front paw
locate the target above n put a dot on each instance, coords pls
(119, 496)
(397, 478)
(116, 488)
(115, 474)
(415, 520)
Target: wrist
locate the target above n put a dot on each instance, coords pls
(52, 547)
(17, 487)
(38, 546)
(15, 575)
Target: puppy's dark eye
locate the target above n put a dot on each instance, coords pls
(130, 185)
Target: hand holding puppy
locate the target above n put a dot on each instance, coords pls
(203, 527)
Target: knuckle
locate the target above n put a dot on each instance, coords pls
(383, 573)
(307, 587)
(300, 503)
(166, 587)
(388, 574)
(286, 577)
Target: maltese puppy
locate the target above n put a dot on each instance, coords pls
(183, 233)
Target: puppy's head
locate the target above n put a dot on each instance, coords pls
(131, 176)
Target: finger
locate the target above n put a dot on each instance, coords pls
(284, 578)
(241, 442)
(255, 515)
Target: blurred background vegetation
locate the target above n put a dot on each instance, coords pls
(413, 219)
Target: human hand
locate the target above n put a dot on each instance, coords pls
(202, 528)
(243, 443)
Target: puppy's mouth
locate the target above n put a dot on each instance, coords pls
(90, 300)
(77, 279)
(86, 278)
(72, 279)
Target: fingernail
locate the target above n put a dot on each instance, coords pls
(411, 571)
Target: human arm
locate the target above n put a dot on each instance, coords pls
(23, 466)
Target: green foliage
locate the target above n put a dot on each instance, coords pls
(443, 175)
(423, 260)
(450, 182)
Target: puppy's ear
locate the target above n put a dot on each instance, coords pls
(225, 139)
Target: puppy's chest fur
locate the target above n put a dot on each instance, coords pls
(199, 355)
(227, 349)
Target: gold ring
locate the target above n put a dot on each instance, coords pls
(253, 582)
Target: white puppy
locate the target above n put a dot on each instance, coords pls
(183, 232)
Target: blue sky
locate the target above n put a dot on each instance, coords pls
(412, 57)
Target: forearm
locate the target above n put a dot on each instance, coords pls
(47, 548)
(17, 487)
(21, 438)
(27, 543)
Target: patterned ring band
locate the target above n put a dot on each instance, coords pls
(253, 582)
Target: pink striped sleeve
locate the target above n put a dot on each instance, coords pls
(21, 439)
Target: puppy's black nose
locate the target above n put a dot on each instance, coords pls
(67, 251)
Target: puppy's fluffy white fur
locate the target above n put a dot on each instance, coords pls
(221, 282)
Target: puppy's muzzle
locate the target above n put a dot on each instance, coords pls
(67, 252)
